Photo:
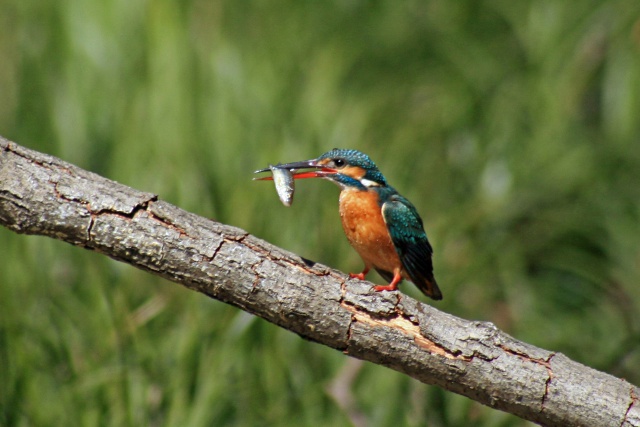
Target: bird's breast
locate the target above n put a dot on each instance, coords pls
(366, 230)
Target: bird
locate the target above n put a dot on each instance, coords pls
(380, 224)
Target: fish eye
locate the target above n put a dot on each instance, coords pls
(339, 162)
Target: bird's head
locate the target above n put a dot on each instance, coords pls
(347, 168)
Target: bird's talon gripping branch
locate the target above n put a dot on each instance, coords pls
(385, 288)
(361, 275)
(397, 278)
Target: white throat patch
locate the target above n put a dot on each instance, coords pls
(368, 183)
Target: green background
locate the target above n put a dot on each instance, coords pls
(513, 126)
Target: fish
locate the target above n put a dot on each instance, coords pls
(283, 180)
(285, 184)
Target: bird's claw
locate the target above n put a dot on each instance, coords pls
(390, 287)
(359, 276)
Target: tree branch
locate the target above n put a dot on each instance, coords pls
(40, 194)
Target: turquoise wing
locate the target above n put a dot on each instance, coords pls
(411, 243)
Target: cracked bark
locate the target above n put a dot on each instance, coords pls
(40, 194)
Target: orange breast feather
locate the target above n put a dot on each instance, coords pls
(366, 230)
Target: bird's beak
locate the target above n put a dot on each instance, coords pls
(319, 171)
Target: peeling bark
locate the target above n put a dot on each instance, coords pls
(40, 194)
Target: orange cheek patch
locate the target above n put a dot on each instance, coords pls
(355, 172)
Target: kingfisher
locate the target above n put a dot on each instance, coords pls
(380, 224)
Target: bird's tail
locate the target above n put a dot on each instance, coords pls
(429, 287)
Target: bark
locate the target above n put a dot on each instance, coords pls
(40, 194)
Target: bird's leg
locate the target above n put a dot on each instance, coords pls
(362, 275)
(397, 278)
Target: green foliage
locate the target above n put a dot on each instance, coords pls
(512, 126)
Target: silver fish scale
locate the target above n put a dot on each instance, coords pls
(285, 184)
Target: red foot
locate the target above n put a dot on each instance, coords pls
(360, 276)
(385, 288)
(397, 278)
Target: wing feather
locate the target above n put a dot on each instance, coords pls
(411, 243)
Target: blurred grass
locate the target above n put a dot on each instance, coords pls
(511, 125)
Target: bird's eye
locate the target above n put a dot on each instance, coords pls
(339, 162)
